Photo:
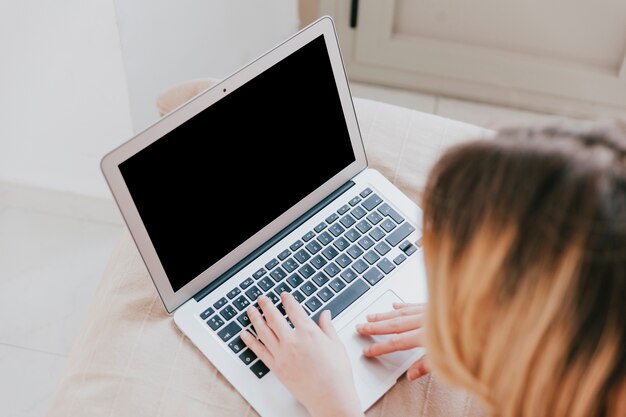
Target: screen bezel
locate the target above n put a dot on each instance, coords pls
(110, 163)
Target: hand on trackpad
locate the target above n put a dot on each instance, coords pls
(375, 373)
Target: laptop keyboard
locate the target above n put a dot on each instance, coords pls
(329, 268)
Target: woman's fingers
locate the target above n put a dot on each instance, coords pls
(404, 341)
(407, 310)
(257, 347)
(273, 317)
(418, 369)
(391, 326)
(295, 311)
(265, 333)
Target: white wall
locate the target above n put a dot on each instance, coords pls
(165, 42)
(77, 75)
(63, 97)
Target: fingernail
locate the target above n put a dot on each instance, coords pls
(359, 327)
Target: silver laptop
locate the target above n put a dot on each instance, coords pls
(261, 185)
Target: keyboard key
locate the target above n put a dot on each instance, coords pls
(306, 271)
(258, 274)
(363, 226)
(330, 252)
(348, 275)
(206, 313)
(320, 227)
(302, 256)
(236, 345)
(325, 294)
(290, 265)
(271, 264)
(404, 245)
(308, 288)
(355, 201)
(241, 303)
(253, 293)
(308, 236)
(382, 248)
(247, 356)
(325, 238)
(355, 251)
(313, 247)
(298, 296)
(233, 293)
(220, 303)
(320, 279)
(313, 303)
(332, 269)
(385, 265)
(337, 285)
(343, 209)
(373, 276)
(372, 201)
(282, 287)
(318, 261)
(366, 242)
(246, 283)
(352, 235)
(410, 250)
(244, 319)
(281, 308)
(358, 212)
(360, 266)
(399, 259)
(272, 297)
(231, 330)
(295, 246)
(266, 283)
(215, 322)
(259, 369)
(344, 299)
(366, 192)
(278, 274)
(371, 257)
(377, 234)
(343, 260)
(400, 234)
(331, 218)
(388, 225)
(341, 244)
(374, 217)
(347, 220)
(295, 280)
(228, 312)
(336, 229)
(284, 254)
(386, 210)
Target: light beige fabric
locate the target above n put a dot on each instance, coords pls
(131, 360)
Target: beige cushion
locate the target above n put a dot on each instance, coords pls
(131, 360)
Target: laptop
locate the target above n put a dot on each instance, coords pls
(261, 185)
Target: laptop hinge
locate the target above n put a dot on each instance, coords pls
(272, 241)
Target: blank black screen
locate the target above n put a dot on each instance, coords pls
(213, 182)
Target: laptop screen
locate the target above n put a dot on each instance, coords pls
(213, 182)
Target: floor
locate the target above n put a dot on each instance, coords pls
(54, 247)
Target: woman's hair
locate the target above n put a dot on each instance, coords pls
(525, 248)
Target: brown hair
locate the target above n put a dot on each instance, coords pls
(525, 248)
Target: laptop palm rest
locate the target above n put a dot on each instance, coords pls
(375, 375)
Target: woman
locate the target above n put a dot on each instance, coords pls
(525, 250)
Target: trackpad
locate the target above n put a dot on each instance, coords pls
(375, 375)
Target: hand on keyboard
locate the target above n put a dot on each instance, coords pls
(310, 361)
(405, 322)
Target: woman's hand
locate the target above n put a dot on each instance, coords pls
(310, 361)
(405, 321)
